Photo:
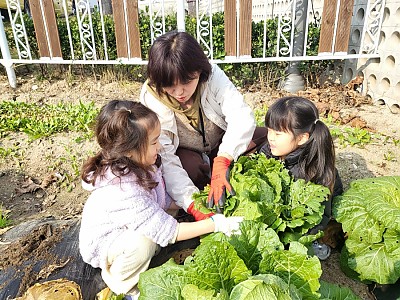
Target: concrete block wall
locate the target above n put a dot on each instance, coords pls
(381, 75)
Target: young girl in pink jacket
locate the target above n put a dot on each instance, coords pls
(124, 221)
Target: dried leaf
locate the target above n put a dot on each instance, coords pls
(59, 289)
(46, 272)
(50, 178)
(27, 187)
(358, 122)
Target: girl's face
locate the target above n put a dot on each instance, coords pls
(282, 143)
(183, 91)
(153, 147)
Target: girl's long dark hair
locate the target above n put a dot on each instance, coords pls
(299, 115)
(122, 128)
(176, 56)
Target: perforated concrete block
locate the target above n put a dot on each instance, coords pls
(382, 76)
(390, 62)
(392, 2)
(392, 40)
(359, 15)
(360, 2)
(355, 36)
(350, 69)
(348, 73)
(390, 13)
(354, 50)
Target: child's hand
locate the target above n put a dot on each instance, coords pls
(226, 225)
(198, 215)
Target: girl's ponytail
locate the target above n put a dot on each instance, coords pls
(318, 156)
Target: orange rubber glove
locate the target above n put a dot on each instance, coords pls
(198, 215)
(219, 183)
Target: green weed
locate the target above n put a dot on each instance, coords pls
(4, 221)
(68, 166)
(259, 115)
(7, 152)
(389, 156)
(42, 120)
(74, 160)
(349, 136)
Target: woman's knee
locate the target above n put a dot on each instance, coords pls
(197, 169)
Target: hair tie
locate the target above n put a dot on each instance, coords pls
(128, 110)
(316, 120)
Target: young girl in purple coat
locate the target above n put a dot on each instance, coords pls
(124, 221)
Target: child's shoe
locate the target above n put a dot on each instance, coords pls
(322, 251)
(132, 297)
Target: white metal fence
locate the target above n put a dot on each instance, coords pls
(291, 31)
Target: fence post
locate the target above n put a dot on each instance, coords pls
(230, 28)
(180, 14)
(344, 23)
(294, 81)
(5, 52)
(245, 13)
(46, 30)
(127, 28)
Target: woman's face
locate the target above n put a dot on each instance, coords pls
(282, 143)
(183, 91)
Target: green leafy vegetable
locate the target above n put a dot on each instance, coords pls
(192, 292)
(330, 291)
(370, 214)
(242, 266)
(265, 286)
(216, 266)
(265, 192)
(296, 267)
(267, 259)
(163, 282)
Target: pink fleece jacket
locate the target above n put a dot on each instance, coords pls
(116, 205)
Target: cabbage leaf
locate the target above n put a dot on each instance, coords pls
(330, 291)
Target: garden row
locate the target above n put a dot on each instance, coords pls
(270, 257)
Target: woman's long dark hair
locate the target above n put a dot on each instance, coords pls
(176, 56)
(299, 115)
(122, 128)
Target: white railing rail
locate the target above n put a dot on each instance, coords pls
(157, 10)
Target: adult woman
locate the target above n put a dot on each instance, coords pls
(205, 122)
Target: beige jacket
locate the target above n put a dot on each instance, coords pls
(224, 106)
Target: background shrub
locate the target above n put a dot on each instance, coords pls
(242, 74)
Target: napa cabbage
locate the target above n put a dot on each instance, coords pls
(370, 215)
(252, 264)
(265, 192)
